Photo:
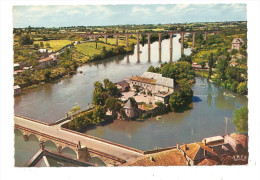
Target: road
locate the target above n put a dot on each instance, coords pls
(120, 152)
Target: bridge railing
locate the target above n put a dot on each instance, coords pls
(44, 123)
(103, 140)
(33, 120)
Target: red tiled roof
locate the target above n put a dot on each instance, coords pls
(164, 158)
(194, 150)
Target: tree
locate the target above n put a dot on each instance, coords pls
(47, 74)
(210, 63)
(203, 64)
(151, 69)
(182, 98)
(98, 114)
(41, 44)
(113, 104)
(133, 102)
(44, 38)
(242, 88)
(25, 40)
(221, 67)
(36, 46)
(240, 119)
(74, 109)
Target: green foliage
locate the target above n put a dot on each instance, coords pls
(151, 69)
(242, 88)
(98, 114)
(234, 86)
(25, 40)
(47, 74)
(210, 63)
(240, 119)
(185, 58)
(113, 104)
(74, 109)
(178, 70)
(134, 103)
(41, 44)
(36, 46)
(233, 52)
(182, 98)
(221, 67)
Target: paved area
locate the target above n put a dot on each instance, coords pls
(114, 150)
(138, 97)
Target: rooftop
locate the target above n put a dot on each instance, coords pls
(196, 150)
(237, 40)
(143, 79)
(45, 59)
(16, 87)
(129, 105)
(165, 158)
(160, 79)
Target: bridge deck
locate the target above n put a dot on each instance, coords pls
(55, 131)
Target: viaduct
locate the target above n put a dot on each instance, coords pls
(170, 33)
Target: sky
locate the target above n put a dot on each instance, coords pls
(102, 15)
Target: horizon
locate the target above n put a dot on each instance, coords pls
(113, 15)
(38, 27)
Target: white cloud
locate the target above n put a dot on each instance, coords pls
(137, 10)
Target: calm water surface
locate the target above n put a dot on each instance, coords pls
(49, 103)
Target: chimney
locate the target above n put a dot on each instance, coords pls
(185, 147)
(204, 141)
(178, 146)
(205, 152)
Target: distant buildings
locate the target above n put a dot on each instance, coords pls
(236, 43)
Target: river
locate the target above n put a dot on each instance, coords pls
(49, 103)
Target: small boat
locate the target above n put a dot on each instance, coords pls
(202, 84)
(158, 117)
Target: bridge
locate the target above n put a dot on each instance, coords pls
(82, 144)
(170, 33)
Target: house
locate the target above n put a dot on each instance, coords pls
(130, 110)
(196, 152)
(18, 72)
(239, 142)
(27, 68)
(213, 140)
(123, 85)
(16, 66)
(17, 90)
(153, 84)
(196, 66)
(233, 64)
(236, 43)
(43, 50)
(45, 62)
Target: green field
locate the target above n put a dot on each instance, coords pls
(89, 48)
(54, 44)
